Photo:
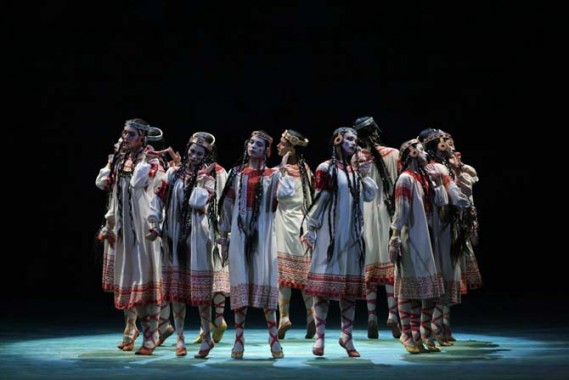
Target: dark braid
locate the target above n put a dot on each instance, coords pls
(386, 181)
(354, 185)
(307, 186)
(332, 204)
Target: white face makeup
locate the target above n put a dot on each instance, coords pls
(349, 143)
(422, 157)
(132, 138)
(256, 147)
(196, 154)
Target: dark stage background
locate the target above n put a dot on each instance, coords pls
(77, 71)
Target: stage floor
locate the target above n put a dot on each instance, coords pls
(494, 341)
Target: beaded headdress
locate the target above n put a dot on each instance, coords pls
(294, 140)
(262, 135)
(435, 135)
(408, 144)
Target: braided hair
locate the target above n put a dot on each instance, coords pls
(369, 137)
(248, 229)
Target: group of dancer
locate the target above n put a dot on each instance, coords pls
(181, 230)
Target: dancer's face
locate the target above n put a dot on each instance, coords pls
(196, 154)
(256, 147)
(284, 146)
(349, 143)
(132, 138)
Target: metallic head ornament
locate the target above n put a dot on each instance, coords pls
(294, 140)
(152, 133)
(339, 133)
(263, 135)
(201, 139)
(408, 144)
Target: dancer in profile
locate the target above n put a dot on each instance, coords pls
(131, 177)
(293, 257)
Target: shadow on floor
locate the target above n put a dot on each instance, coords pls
(496, 339)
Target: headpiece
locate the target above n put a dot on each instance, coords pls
(200, 138)
(152, 133)
(339, 133)
(262, 135)
(294, 140)
(435, 134)
(366, 126)
(408, 144)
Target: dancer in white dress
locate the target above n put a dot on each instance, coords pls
(336, 236)
(180, 216)
(137, 281)
(377, 216)
(293, 257)
(247, 214)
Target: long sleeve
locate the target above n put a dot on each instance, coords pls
(103, 179)
(403, 201)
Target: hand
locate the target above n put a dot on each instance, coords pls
(176, 158)
(309, 238)
(395, 251)
(284, 160)
(151, 155)
(364, 168)
(152, 234)
(210, 168)
(360, 160)
(118, 145)
(107, 234)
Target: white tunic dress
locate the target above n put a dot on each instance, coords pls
(343, 275)
(294, 260)
(220, 271)
(137, 264)
(416, 273)
(379, 269)
(253, 283)
(187, 267)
